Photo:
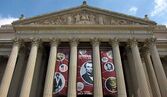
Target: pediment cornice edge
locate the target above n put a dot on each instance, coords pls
(87, 8)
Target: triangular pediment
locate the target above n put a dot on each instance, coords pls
(84, 14)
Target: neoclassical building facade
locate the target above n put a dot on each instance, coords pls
(83, 52)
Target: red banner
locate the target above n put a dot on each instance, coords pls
(84, 72)
(108, 72)
(61, 72)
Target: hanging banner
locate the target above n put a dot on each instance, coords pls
(84, 72)
(108, 72)
(61, 72)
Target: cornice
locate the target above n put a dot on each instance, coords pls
(82, 27)
(7, 30)
(160, 29)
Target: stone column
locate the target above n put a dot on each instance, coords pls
(7, 77)
(73, 69)
(160, 74)
(97, 79)
(27, 82)
(132, 70)
(35, 81)
(119, 71)
(18, 72)
(48, 89)
(151, 74)
(143, 90)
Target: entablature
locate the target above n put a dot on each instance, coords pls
(82, 27)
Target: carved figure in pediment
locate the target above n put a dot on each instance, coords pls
(58, 21)
(135, 23)
(92, 19)
(122, 22)
(87, 17)
(113, 22)
(77, 18)
(69, 20)
(33, 23)
(84, 17)
(45, 22)
(101, 20)
(53, 22)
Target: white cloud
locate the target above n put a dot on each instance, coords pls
(159, 7)
(7, 20)
(133, 10)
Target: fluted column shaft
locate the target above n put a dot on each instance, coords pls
(133, 74)
(26, 86)
(119, 71)
(48, 89)
(72, 70)
(97, 80)
(151, 74)
(160, 74)
(143, 87)
(7, 77)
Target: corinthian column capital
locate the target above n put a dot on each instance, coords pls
(114, 42)
(17, 41)
(54, 41)
(74, 42)
(35, 41)
(95, 41)
(145, 49)
(132, 42)
(150, 41)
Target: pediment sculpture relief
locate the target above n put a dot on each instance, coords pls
(83, 18)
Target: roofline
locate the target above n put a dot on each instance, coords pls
(81, 6)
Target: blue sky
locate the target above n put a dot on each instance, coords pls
(12, 9)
